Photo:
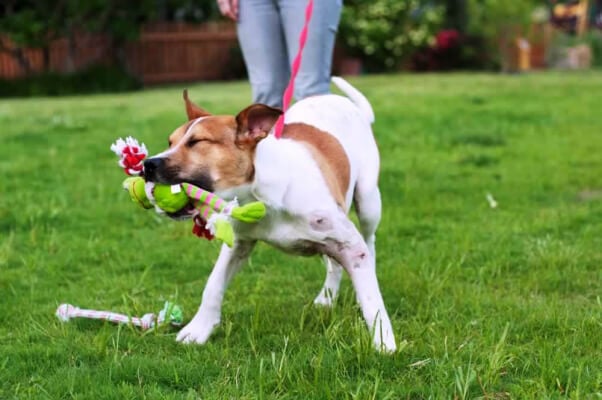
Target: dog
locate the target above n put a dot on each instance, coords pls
(326, 160)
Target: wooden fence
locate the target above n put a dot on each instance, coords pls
(163, 53)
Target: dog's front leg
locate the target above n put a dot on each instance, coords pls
(209, 314)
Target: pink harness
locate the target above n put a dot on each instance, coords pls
(288, 93)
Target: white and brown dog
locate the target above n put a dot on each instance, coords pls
(326, 159)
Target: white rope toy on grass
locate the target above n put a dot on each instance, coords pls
(170, 313)
(491, 200)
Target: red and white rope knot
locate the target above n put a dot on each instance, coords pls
(131, 155)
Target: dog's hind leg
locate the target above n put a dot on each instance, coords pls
(348, 247)
(209, 314)
(368, 208)
(334, 273)
(367, 291)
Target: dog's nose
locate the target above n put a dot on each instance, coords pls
(151, 166)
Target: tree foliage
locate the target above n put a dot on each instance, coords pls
(36, 23)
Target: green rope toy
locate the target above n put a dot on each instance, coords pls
(212, 215)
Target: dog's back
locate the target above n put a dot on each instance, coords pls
(349, 120)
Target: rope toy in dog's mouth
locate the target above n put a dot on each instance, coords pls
(211, 214)
(171, 313)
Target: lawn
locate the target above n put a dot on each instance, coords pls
(486, 302)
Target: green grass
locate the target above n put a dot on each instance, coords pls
(491, 303)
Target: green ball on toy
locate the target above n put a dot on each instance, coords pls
(169, 198)
(135, 187)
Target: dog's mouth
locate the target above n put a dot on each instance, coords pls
(187, 212)
(202, 181)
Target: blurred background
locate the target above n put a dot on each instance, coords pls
(50, 47)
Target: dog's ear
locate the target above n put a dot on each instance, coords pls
(192, 110)
(254, 123)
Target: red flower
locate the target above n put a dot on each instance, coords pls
(447, 39)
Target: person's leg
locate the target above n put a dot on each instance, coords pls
(262, 42)
(314, 74)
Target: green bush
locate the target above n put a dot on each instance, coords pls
(96, 79)
(384, 33)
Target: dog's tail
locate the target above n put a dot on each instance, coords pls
(355, 96)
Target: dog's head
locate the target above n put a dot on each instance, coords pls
(214, 152)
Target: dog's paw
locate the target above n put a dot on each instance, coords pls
(386, 348)
(385, 344)
(324, 299)
(196, 332)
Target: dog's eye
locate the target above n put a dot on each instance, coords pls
(169, 143)
(192, 142)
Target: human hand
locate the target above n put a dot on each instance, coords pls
(228, 8)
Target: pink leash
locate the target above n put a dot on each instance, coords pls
(288, 93)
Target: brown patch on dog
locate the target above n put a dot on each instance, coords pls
(328, 153)
(209, 154)
(218, 152)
